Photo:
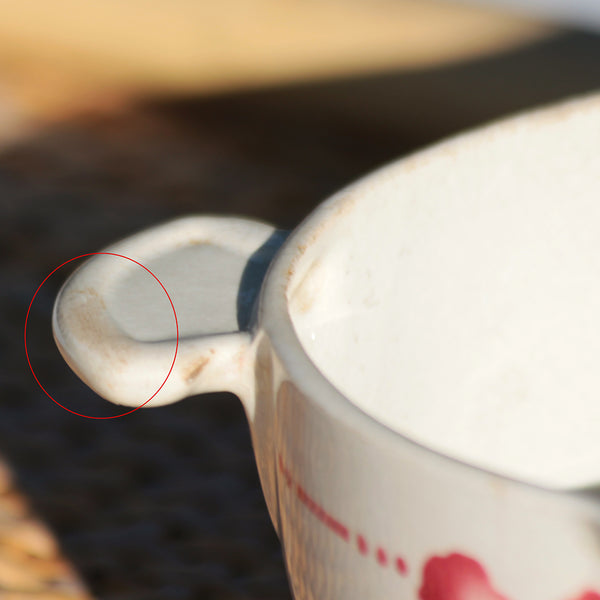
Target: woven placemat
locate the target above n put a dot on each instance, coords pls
(165, 503)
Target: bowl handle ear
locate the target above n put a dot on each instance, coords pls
(180, 297)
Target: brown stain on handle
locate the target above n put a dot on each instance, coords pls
(194, 370)
(86, 319)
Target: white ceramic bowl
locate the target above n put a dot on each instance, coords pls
(419, 369)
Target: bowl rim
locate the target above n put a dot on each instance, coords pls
(274, 314)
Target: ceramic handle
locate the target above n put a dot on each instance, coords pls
(115, 325)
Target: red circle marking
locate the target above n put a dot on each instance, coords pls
(176, 328)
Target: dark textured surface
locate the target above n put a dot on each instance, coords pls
(165, 503)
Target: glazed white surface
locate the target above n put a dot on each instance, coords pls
(458, 301)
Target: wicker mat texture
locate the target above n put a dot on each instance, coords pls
(165, 503)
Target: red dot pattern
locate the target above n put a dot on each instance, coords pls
(340, 529)
(453, 577)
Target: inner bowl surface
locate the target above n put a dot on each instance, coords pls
(454, 296)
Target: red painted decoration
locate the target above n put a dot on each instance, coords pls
(401, 566)
(456, 577)
(363, 547)
(381, 557)
(452, 577)
(319, 512)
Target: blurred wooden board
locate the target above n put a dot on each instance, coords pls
(52, 50)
